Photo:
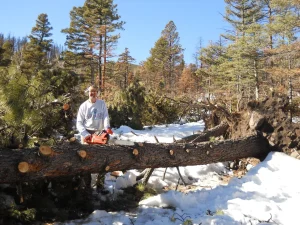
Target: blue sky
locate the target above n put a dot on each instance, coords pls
(145, 19)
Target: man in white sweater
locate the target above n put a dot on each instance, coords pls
(92, 115)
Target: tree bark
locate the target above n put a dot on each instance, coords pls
(70, 159)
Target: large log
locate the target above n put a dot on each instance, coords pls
(69, 159)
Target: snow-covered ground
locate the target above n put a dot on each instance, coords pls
(268, 194)
(296, 119)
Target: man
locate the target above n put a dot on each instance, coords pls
(92, 116)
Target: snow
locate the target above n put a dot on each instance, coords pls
(268, 194)
(296, 119)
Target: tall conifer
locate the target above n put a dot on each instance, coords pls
(92, 34)
(124, 68)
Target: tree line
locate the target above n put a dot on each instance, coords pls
(42, 84)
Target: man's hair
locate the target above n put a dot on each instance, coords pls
(93, 87)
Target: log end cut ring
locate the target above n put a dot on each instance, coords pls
(23, 167)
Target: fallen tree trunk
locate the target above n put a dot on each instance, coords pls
(73, 159)
(206, 135)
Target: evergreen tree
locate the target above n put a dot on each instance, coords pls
(174, 53)
(166, 63)
(284, 60)
(213, 73)
(8, 51)
(129, 106)
(124, 68)
(2, 63)
(92, 34)
(36, 50)
(33, 96)
(246, 44)
(156, 64)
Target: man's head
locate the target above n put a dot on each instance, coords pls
(93, 93)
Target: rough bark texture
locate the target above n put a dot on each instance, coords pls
(65, 161)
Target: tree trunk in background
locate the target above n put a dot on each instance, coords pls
(71, 159)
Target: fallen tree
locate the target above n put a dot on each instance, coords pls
(268, 118)
(71, 159)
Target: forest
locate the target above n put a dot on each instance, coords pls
(42, 84)
(258, 57)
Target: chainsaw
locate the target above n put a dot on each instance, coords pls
(100, 138)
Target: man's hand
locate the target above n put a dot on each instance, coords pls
(109, 131)
(88, 138)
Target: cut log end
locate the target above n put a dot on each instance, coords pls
(135, 152)
(66, 106)
(82, 154)
(72, 139)
(45, 150)
(171, 152)
(23, 167)
(107, 168)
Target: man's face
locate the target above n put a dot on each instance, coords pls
(92, 94)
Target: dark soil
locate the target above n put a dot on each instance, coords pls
(275, 123)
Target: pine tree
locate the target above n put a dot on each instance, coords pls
(129, 106)
(246, 44)
(156, 64)
(8, 51)
(92, 34)
(284, 59)
(36, 50)
(166, 63)
(124, 68)
(215, 69)
(32, 95)
(174, 53)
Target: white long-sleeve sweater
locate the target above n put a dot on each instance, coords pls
(92, 116)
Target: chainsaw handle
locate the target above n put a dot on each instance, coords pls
(109, 131)
(100, 139)
(88, 138)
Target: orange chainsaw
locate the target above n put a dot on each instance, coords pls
(99, 138)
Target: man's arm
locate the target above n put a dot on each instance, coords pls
(80, 123)
(106, 123)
